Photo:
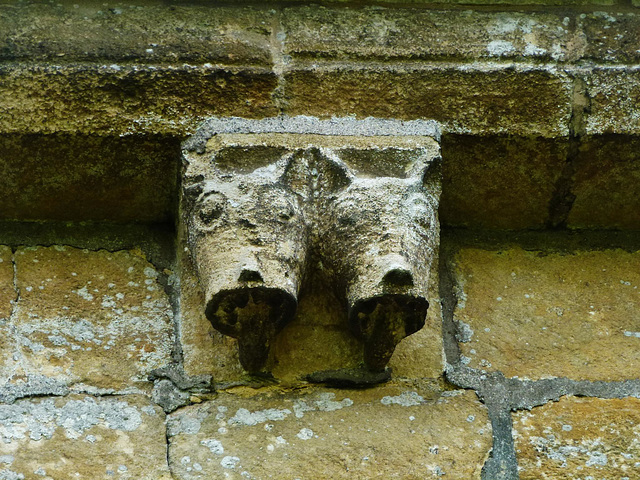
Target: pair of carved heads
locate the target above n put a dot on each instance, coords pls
(258, 206)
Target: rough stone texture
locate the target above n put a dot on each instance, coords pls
(480, 100)
(95, 320)
(499, 182)
(386, 34)
(260, 210)
(7, 289)
(83, 437)
(611, 37)
(536, 315)
(71, 177)
(8, 295)
(578, 438)
(612, 93)
(386, 432)
(128, 99)
(155, 34)
(606, 184)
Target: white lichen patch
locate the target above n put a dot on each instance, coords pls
(247, 418)
(25, 419)
(324, 403)
(305, 434)
(214, 445)
(81, 327)
(405, 399)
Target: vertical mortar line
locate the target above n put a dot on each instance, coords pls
(278, 36)
(448, 302)
(563, 197)
(503, 463)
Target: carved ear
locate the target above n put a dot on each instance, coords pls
(336, 175)
(432, 176)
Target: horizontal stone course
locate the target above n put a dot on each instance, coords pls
(85, 177)
(534, 315)
(97, 321)
(138, 33)
(389, 431)
(394, 34)
(83, 437)
(480, 100)
(577, 438)
(128, 99)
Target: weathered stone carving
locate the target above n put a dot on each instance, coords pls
(259, 197)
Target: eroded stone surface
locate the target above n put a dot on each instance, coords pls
(76, 177)
(7, 289)
(606, 180)
(94, 319)
(319, 32)
(579, 438)
(124, 33)
(482, 100)
(83, 437)
(499, 182)
(537, 315)
(612, 107)
(385, 432)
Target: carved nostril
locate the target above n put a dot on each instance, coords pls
(399, 277)
(250, 275)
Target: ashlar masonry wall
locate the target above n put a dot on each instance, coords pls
(527, 366)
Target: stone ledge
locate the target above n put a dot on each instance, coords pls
(149, 33)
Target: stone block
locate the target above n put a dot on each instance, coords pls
(466, 99)
(499, 182)
(613, 107)
(579, 438)
(7, 288)
(92, 320)
(607, 183)
(314, 32)
(375, 433)
(83, 437)
(81, 178)
(128, 99)
(611, 37)
(152, 34)
(534, 315)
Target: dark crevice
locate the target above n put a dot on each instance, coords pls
(563, 196)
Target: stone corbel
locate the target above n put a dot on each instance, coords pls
(261, 196)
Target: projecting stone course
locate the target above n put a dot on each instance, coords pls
(579, 438)
(478, 99)
(531, 314)
(97, 321)
(386, 432)
(325, 33)
(83, 437)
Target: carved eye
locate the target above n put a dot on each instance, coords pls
(284, 210)
(211, 209)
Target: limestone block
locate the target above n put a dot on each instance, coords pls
(499, 182)
(149, 33)
(578, 438)
(314, 32)
(8, 295)
(611, 37)
(480, 100)
(95, 320)
(537, 315)
(7, 289)
(613, 93)
(128, 99)
(83, 437)
(376, 433)
(75, 177)
(607, 184)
